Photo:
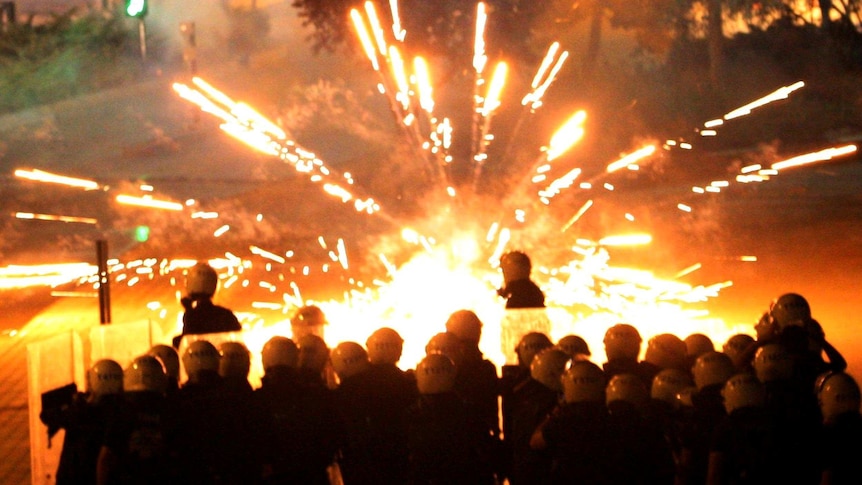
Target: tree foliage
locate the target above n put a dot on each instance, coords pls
(435, 28)
(68, 55)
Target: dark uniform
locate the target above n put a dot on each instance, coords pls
(135, 448)
(305, 426)
(842, 449)
(203, 316)
(584, 445)
(373, 451)
(649, 458)
(532, 402)
(754, 450)
(522, 293)
(216, 433)
(478, 385)
(696, 432)
(85, 423)
(447, 443)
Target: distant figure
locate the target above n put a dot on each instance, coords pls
(518, 289)
(201, 314)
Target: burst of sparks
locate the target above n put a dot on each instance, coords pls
(543, 77)
(247, 125)
(590, 291)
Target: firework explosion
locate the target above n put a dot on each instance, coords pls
(445, 261)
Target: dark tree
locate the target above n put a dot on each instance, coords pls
(444, 28)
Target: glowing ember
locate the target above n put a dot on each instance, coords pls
(51, 217)
(149, 202)
(46, 177)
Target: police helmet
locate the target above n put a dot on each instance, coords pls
(548, 367)
(435, 374)
(584, 381)
(622, 341)
(145, 373)
(105, 377)
(349, 359)
(201, 279)
(279, 351)
(384, 346)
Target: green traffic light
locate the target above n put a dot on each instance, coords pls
(142, 233)
(136, 8)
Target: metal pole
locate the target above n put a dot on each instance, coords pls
(142, 34)
(104, 282)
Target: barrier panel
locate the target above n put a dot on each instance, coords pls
(124, 341)
(55, 371)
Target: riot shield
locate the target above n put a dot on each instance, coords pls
(55, 371)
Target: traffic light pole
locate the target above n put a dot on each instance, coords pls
(104, 282)
(142, 36)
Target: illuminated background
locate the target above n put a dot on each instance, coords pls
(724, 237)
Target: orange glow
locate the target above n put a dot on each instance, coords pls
(149, 202)
(567, 135)
(423, 82)
(541, 82)
(47, 177)
(397, 31)
(364, 38)
(50, 217)
(479, 57)
(626, 240)
(397, 65)
(631, 158)
(820, 156)
(778, 94)
(375, 27)
(495, 89)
